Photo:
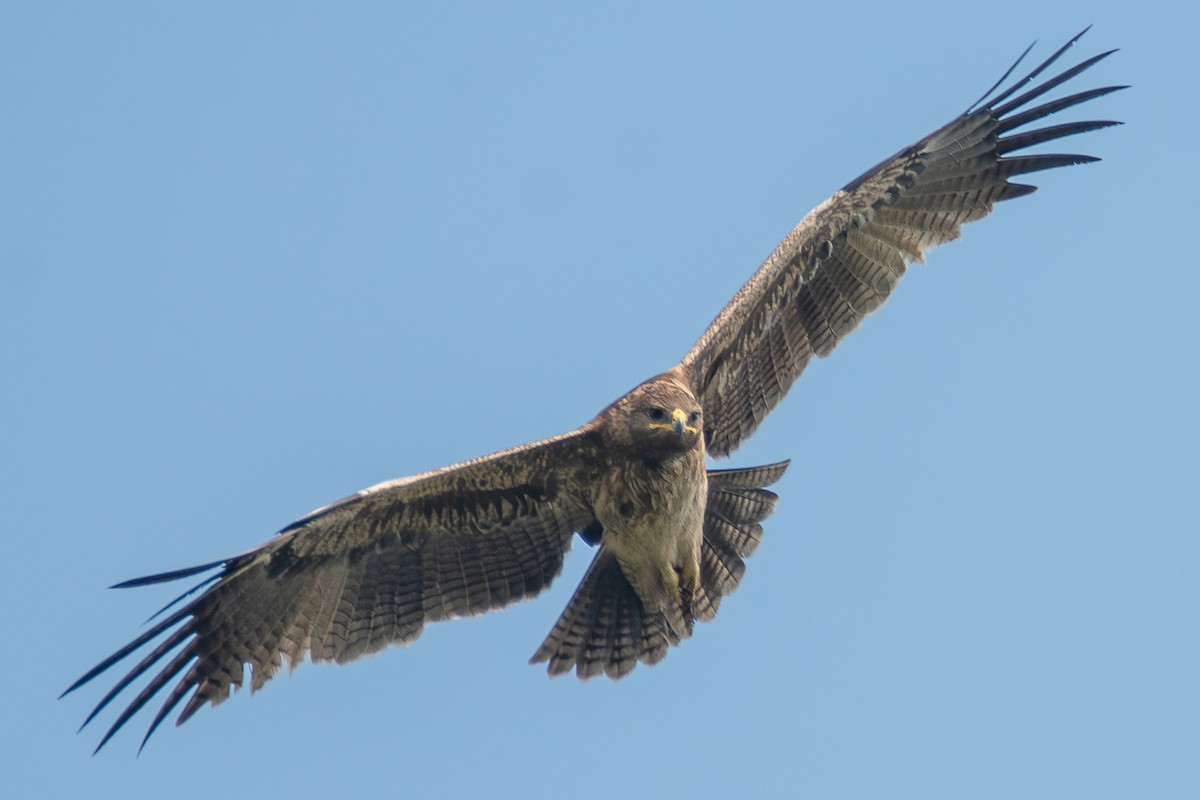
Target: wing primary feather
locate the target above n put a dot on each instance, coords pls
(971, 108)
(129, 648)
(1015, 190)
(1021, 141)
(169, 644)
(185, 595)
(1022, 165)
(1053, 107)
(1049, 84)
(181, 688)
(168, 672)
(1038, 70)
(166, 577)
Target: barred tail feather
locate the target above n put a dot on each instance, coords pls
(605, 628)
(737, 505)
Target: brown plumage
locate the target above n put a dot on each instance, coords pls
(373, 569)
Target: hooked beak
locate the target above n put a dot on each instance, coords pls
(679, 422)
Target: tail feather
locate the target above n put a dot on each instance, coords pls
(596, 653)
(606, 629)
(626, 642)
(736, 507)
(656, 638)
(563, 646)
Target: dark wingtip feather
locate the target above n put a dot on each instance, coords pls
(1015, 190)
(173, 668)
(1022, 165)
(1021, 141)
(1044, 86)
(1033, 74)
(172, 700)
(164, 577)
(1002, 78)
(173, 641)
(1053, 107)
(126, 650)
(183, 596)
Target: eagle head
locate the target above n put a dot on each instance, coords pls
(659, 419)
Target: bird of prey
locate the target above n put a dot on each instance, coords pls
(372, 569)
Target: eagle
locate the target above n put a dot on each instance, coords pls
(671, 534)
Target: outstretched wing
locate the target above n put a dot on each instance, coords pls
(365, 572)
(843, 259)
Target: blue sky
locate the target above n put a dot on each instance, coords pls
(255, 258)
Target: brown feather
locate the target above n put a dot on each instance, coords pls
(844, 259)
(373, 569)
(606, 629)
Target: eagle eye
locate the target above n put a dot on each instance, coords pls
(693, 417)
(656, 414)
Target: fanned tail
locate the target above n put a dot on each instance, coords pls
(605, 629)
(737, 505)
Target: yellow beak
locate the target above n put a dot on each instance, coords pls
(678, 423)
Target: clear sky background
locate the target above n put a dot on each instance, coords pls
(254, 257)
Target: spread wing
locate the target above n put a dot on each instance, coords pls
(844, 259)
(366, 572)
